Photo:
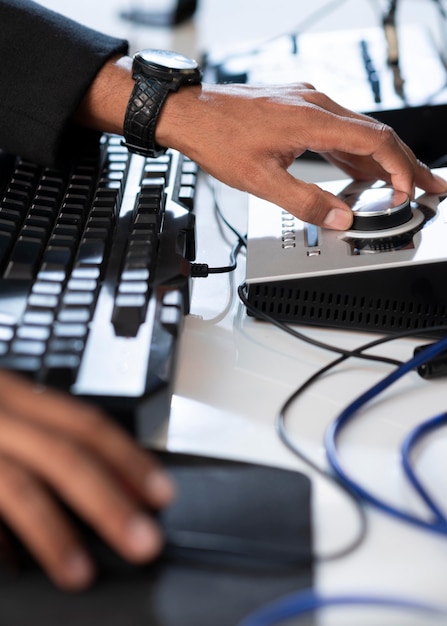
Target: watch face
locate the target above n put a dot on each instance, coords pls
(166, 59)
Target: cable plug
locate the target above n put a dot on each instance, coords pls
(435, 367)
(199, 270)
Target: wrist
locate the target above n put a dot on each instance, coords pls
(177, 124)
(157, 74)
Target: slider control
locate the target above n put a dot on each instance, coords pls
(312, 241)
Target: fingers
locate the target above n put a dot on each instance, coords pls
(365, 148)
(39, 523)
(87, 426)
(83, 483)
(74, 472)
(51, 445)
(245, 134)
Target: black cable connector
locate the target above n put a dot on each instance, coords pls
(199, 270)
(433, 368)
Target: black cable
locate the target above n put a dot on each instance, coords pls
(280, 421)
(295, 333)
(281, 416)
(288, 442)
(219, 212)
(202, 270)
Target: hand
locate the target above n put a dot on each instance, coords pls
(52, 445)
(248, 136)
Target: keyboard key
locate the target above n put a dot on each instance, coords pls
(74, 315)
(39, 318)
(50, 274)
(24, 258)
(70, 330)
(35, 333)
(82, 284)
(135, 274)
(173, 297)
(30, 347)
(155, 169)
(90, 273)
(22, 363)
(130, 286)
(170, 318)
(60, 370)
(186, 196)
(57, 258)
(68, 345)
(7, 226)
(91, 252)
(6, 333)
(128, 314)
(78, 298)
(47, 287)
(43, 301)
(6, 240)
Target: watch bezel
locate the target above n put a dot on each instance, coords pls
(164, 65)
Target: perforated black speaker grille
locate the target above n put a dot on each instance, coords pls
(391, 300)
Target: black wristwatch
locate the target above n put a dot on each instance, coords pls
(156, 73)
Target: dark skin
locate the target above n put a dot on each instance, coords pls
(246, 137)
(52, 444)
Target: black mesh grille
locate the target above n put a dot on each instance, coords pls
(389, 302)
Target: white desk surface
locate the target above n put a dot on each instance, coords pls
(234, 373)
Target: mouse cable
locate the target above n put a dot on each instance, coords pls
(309, 601)
(439, 523)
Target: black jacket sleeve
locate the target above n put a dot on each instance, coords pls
(47, 63)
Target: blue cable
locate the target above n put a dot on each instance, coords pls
(407, 447)
(307, 601)
(439, 524)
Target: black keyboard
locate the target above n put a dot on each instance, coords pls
(95, 274)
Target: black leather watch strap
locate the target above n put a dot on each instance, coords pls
(146, 101)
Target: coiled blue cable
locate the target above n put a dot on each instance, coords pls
(439, 523)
